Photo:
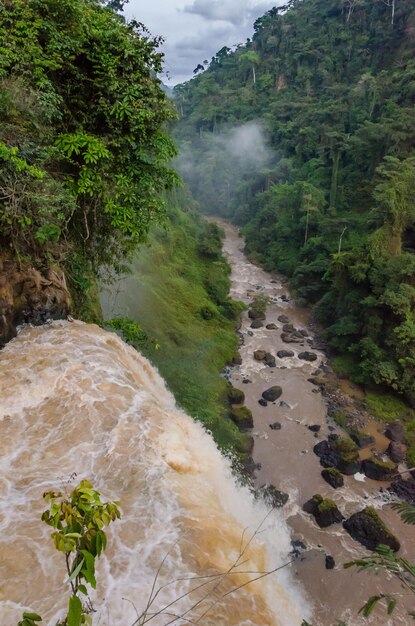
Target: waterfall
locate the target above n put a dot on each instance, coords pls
(77, 399)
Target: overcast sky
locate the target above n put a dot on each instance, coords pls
(195, 30)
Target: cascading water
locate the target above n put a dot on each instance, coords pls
(75, 398)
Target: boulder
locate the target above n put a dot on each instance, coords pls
(236, 396)
(245, 444)
(308, 356)
(367, 528)
(272, 496)
(272, 394)
(315, 428)
(271, 327)
(282, 354)
(362, 439)
(284, 319)
(291, 338)
(242, 417)
(237, 359)
(330, 562)
(379, 470)
(396, 452)
(257, 324)
(259, 355)
(395, 432)
(298, 547)
(270, 360)
(343, 454)
(262, 402)
(333, 477)
(404, 489)
(246, 381)
(255, 314)
(275, 426)
(288, 328)
(303, 332)
(324, 510)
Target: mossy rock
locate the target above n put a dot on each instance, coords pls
(324, 510)
(272, 496)
(333, 477)
(236, 396)
(379, 470)
(244, 444)
(237, 359)
(348, 461)
(367, 528)
(256, 314)
(272, 394)
(361, 439)
(242, 417)
(257, 324)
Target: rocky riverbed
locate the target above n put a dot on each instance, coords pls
(294, 397)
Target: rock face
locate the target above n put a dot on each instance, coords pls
(308, 356)
(367, 527)
(379, 470)
(333, 477)
(29, 296)
(282, 354)
(343, 454)
(242, 417)
(272, 394)
(395, 432)
(272, 496)
(325, 511)
(396, 452)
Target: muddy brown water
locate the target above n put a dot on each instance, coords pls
(287, 460)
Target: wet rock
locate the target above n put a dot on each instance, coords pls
(245, 444)
(271, 327)
(291, 338)
(340, 453)
(284, 405)
(272, 496)
(319, 381)
(284, 319)
(259, 355)
(395, 432)
(308, 356)
(242, 417)
(272, 394)
(362, 439)
(249, 465)
(324, 510)
(303, 332)
(236, 396)
(396, 452)
(315, 428)
(404, 489)
(284, 298)
(282, 354)
(274, 282)
(250, 333)
(367, 528)
(333, 477)
(257, 324)
(246, 381)
(288, 328)
(275, 426)
(262, 402)
(298, 547)
(270, 360)
(330, 562)
(255, 314)
(379, 470)
(237, 359)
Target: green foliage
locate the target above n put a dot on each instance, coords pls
(386, 407)
(84, 157)
(78, 521)
(131, 331)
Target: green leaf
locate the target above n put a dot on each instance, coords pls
(370, 605)
(75, 611)
(75, 573)
(391, 605)
(83, 589)
(33, 616)
(89, 571)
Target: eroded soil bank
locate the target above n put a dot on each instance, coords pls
(285, 455)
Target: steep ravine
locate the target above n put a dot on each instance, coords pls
(286, 457)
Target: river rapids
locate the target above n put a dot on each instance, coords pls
(77, 399)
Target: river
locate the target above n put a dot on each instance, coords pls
(286, 456)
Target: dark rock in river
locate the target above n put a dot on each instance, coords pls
(246, 381)
(282, 354)
(367, 527)
(236, 396)
(315, 428)
(272, 394)
(242, 417)
(270, 360)
(288, 328)
(404, 489)
(379, 470)
(237, 359)
(257, 324)
(396, 452)
(283, 404)
(303, 332)
(284, 319)
(330, 562)
(333, 477)
(255, 314)
(340, 453)
(395, 432)
(272, 496)
(308, 356)
(291, 338)
(271, 327)
(249, 465)
(362, 439)
(325, 511)
(262, 402)
(275, 426)
(298, 547)
(259, 355)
